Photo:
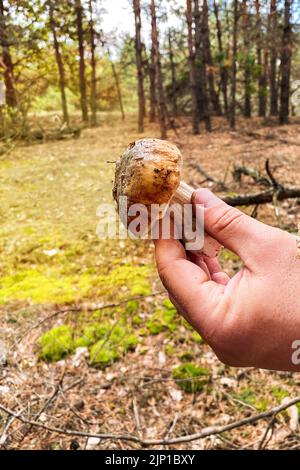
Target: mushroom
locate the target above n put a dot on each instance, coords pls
(148, 173)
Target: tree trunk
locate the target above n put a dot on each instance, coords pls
(261, 67)
(60, 65)
(152, 77)
(193, 85)
(117, 83)
(248, 64)
(223, 70)
(214, 98)
(139, 64)
(234, 65)
(11, 95)
(273, 59)
(93, 98)
(173, 75)
(201, 76)
(82, 79)
(286, 60)
(161, 97)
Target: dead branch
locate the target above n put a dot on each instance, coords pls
(264, 197)
(209, 431)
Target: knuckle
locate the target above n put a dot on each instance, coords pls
(226, 220)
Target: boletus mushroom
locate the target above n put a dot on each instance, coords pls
(148, 173)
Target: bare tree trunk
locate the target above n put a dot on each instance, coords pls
(117, 83)
(11, 95)
(286, 61)
(214, 98)
(161, 97)
(273, 59)
(193, 85)
(173, 74)
(152, 77)
(234, 65)
(201, 72)
(93, 98)
(60, 65)
(82, 79)
(223, 70)
(261, 67)
(139, 64)
(248, 65)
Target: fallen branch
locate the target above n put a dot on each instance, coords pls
(263, 197)
(209, 431)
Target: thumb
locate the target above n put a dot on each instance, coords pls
(232, 228)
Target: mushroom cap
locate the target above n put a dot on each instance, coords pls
(148, 172)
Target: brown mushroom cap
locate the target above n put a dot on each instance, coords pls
(148, 172)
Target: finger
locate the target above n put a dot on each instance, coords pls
(188, 284)
(235, 230)
(216, 272)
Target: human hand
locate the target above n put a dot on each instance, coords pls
(253, 318)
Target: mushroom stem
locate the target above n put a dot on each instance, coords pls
(183, 195)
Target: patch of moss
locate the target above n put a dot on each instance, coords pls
(162, 320)
(190, 377)
(186, 356)
(227, 255)
(132, 306)
(102, 355)
(249, 396)
(56, 343)
(279, 393)
(196, 337)
(170, 350)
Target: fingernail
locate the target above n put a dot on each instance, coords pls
(206, 197)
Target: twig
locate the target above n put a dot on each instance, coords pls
(209, 431)
(198, 167)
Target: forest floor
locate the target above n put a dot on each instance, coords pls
(89, 341)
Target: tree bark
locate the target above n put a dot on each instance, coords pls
(161, 97)
(262, 81)
(173, 74)
(192, 73)
(286, 60)
(93, 98)
(60, 65)
(248, 65)
(200, 66)
(11, 94)
(82, 78)
(273, 59)
(193, 85)
(214, 98)
(223, 70)
(117, 83)
(152, 77)
(234, 65)
(139, 64)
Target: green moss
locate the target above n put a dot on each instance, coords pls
(137, 320)
(196, 337)
(170, 350)
(227, 255)
(186, 356)
(102, 355)
(190, 377)
(168, 304)
(249, 396)
(162, 320)
(279, 393)
(132, 306)
(56, 343)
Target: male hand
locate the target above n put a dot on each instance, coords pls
(253, 318)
